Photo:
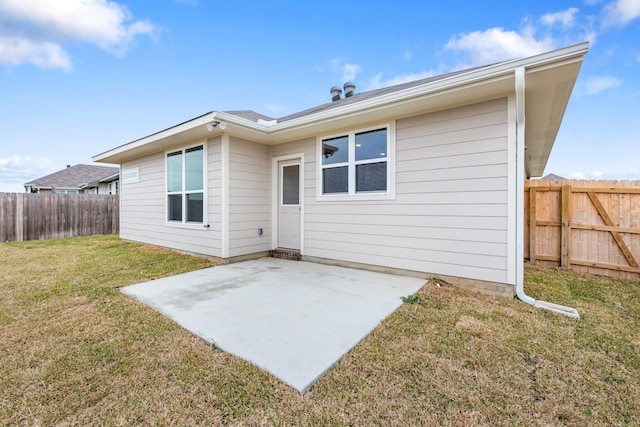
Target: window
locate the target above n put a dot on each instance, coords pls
(114, 187)
(130, 175)
(65, 191)
(185, 185)
(356, 163)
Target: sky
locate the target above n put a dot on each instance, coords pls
(80, 77)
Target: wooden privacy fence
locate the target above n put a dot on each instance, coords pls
(25, 216)
(588, 226)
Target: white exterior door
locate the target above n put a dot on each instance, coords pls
(289, 204)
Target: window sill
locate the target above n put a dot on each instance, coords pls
(188, 225)
(362, 197)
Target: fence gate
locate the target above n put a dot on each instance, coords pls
(588, 226)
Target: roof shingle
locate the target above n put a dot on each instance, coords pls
(74, 177)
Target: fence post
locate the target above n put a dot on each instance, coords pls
(20, 218)
(565, 202)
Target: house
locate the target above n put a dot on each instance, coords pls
(423, 178)
(88, 179)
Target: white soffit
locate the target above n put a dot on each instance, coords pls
(547, 93)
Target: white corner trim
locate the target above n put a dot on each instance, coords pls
(512, 188)
(224, 191)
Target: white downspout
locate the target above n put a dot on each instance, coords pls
(520, 176)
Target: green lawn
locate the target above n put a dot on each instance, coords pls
(75, 351)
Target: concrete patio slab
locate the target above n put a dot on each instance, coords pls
(293, 319)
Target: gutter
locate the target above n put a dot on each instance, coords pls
(273, 128)
(520, 166)
(497, 71)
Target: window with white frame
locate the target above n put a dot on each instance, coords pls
(356, 163)
(65, 191)
(114, 187)
(185, 185)
(131, 174)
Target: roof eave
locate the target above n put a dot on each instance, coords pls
(487, 73)
(350, 114)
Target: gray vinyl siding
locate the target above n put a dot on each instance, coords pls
(142, 207)
(449, 216)
(249, 197)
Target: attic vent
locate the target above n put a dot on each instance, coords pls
(336, 92)
(349, 89)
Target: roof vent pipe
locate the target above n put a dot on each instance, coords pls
(349, 89)
(336, 92)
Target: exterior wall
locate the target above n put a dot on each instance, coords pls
(450, 213)
(103, 188)
(143, 207)
(249, 197)
(449, 216)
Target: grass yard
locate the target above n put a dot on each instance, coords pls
(75, 351)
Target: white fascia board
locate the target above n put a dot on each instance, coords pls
(167, 133)
(486, 73)
(268, 132)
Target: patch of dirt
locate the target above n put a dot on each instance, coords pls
(473, 326)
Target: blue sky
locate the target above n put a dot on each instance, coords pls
(79, 77)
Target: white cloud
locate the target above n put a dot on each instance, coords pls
(349, 72)
(620, 12)
(16, 50)
(566, 18)
(577, 175)
(407, 54)
(376, 81)
(596, 174)
(595, 85)
(497, 44)
(17, 169)
(44, 24)
(346, 71)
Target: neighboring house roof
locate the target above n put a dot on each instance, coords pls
(76, 177)
(549, 79)
(552, 176)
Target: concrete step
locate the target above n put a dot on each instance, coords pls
(289, 254)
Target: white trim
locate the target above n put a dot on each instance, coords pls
(389, 194)
(224, 191)
(504, 69)
(520, 114)
(519, 180)
(275, 197)
(271, 132)
(281, 165)
(512, 206)
(184, 223)
(131, 170)
(166, 133)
